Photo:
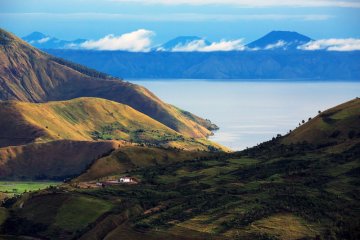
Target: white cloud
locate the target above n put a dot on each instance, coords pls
(334, 44)
(137, 41)
(254, 3)
(72, 46)
(235, 45)
(44, 40)
(278, 44)
(190, 47)
(201, 46)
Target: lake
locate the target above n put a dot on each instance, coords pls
(249, 113)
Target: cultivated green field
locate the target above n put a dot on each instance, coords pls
(18, 187)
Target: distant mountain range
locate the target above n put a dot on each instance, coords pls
(277, 55)
(291, 65)
(275, 40)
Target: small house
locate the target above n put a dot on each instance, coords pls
(127, 180)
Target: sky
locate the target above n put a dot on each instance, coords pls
(161, 20)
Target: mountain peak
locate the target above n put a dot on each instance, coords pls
(35, 36)
(283, 40)
(288, 35)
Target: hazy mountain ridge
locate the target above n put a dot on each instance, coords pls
(277, 55)
(291, 65)
(275, 40)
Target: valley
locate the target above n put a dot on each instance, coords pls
(240, 195)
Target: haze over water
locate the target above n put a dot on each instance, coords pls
(249, 113)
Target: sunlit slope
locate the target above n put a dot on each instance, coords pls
(79, 119)
(86, 119)
(338, 125)
(27, 74)
(63, 138)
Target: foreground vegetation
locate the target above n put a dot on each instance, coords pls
(280, 189)
(273, 191)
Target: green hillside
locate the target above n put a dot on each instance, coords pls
(298, 190)
(83, 119)
(60, 139)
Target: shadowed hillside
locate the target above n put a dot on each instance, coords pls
(52, 160)
(27, 74)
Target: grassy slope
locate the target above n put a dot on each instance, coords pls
(80, 119)
(338, 125)
(272, 191)
(44, 127)
(85, 119)
(28, 74)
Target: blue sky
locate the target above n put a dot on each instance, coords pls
(212, 19)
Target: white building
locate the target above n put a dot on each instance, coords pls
(127, 180)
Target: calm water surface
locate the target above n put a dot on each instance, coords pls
(249, 113)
